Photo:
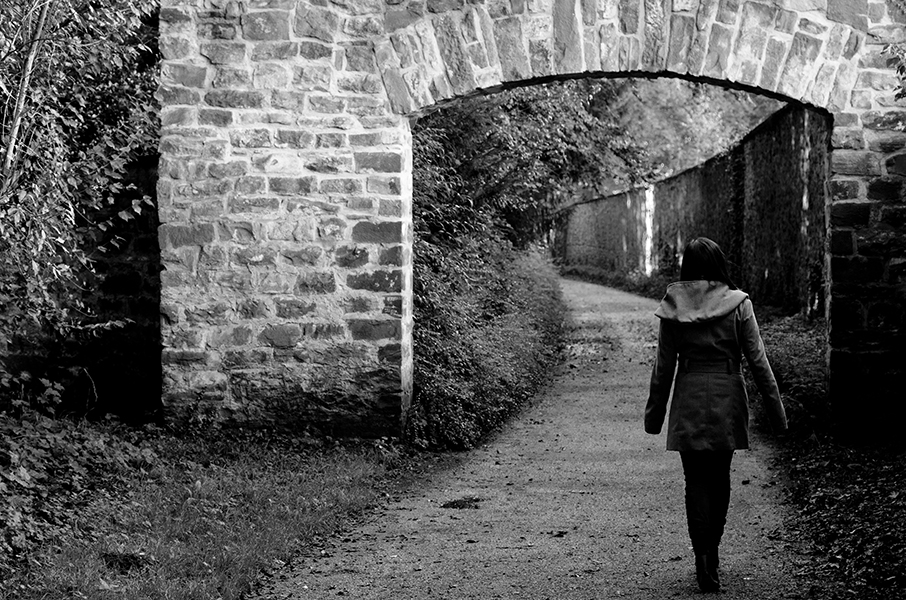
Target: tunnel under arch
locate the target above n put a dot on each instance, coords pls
(285, 176)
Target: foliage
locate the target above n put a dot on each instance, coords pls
(183, 515)
(488, 321)
(896, 54)
(488, 174)
(848, 501)
(76, 85)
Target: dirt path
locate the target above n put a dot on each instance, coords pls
(571, 501)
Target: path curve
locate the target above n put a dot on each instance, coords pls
(572, 500)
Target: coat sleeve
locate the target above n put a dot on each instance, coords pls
(661, 379)
(753, 349)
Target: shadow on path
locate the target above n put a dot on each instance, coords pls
(570, 501)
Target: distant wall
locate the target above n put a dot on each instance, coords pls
(763, 201)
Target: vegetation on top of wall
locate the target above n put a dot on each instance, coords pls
(488, 173)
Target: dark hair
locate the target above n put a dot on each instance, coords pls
(703, 259)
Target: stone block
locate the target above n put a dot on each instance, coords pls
(896, 165)
(391, 208)
(183, 116)
(717, 58)
(313, 78)
(855, 162)
(293, 138)
(270, 77)
(850, 214)
(609, 40)
(292, 308)
(376, 281)
(176, 236)
(351, 257)
(541, 58)
(326, 104)
(753, 30)
(359, 83)
(223, 53)
(291, 186)
(215, 117)
(318, 23)
(393, 306)
(800, 65)
(280, 50)
(280, 335)
(169, 95)
(893, 216)
(567, 51)
(850, 12)
(216, 30)
(388, 186)
(386, 232)
(457, 65)
(391, 256)
(841, 243)
(251, 138)
(345, 185)
(856, 269)
(891, 120)
(331, 140)
(232, 77)
(727, 10)
(190, 76)
(888, 34)
(316, 283)
(630, 53)
(373, 329)
(234, 99)
(629, 11)
(332, 228)
(378, 162)
(175, 47)
(843, 85)
(845, 189)
(885, 141)
(266, 25)
(881, 243)
(323, 331)
(514, 59)
(888, 189)
(775, 52)
(877, 80)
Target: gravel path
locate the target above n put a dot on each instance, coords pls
(571, 501)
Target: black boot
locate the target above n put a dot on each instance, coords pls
(703, 569)
(713, 561)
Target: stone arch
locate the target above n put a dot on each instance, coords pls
(285, 173)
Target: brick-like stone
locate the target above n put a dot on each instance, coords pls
(568, 55)
(316, 283)
(191, 76)
(514, 59)
(379, 162)
(270, 25)
(799, 65)
(775, 52)
(629, 16)
(291, 186)
(718, 55)
(896, 165)
(850, 214)
(234, 99)
(373, 329)
(280, 335)
(216, 31)
(231, 169)
(892, 120)
(293, 138)
(845, 189)
(292, 308)
(351, 257)
(251, 138)
(376, 281)
(301, 257)
(391, 256)
(346, 185)
(176, 236)
(841, 243)
(277, 50)
(169, 95)
(886, 189)
(456, 62)
(223, 53)
(855, 162)
(216, 117)
(388, 232)
(850, 12)
(856, 269)
(318, 23)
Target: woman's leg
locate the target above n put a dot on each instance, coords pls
(707, 477)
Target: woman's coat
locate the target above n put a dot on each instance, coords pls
(705, 330)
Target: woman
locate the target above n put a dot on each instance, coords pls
(706, 326)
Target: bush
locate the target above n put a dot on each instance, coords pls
(487, 329)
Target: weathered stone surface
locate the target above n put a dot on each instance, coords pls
(654, 53)
(223, 53)
(823, 84)
(316, 283)
(378, 162)
(630, 53)
(855, 162)
(892, 120)
(376, 281)
(541, 57)
(850, 214)
(171, 94)
(799, 65)
(175, 236)
(567, 37)
(514, 59)
(387, 232)
(268, 25)
(192, 76)
(452, 49)
(291, 186)
(845, 189)
(610, 47)
(629, 16)
(717, 59)
(843, 85)
(851, 12)
(896, 165)
(373, 329)
(280, 336)
(682, 31)
(753, 30)
(234, 99)
(728, 10)
(318, 23)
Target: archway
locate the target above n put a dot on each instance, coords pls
(285, 180)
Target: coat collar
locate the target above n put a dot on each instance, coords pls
(698, 301)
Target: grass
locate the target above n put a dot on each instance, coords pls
(849, 502)
(208, 516)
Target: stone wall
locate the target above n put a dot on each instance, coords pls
(285, 179)
(762, 201)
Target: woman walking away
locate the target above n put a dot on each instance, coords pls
(706, 326)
